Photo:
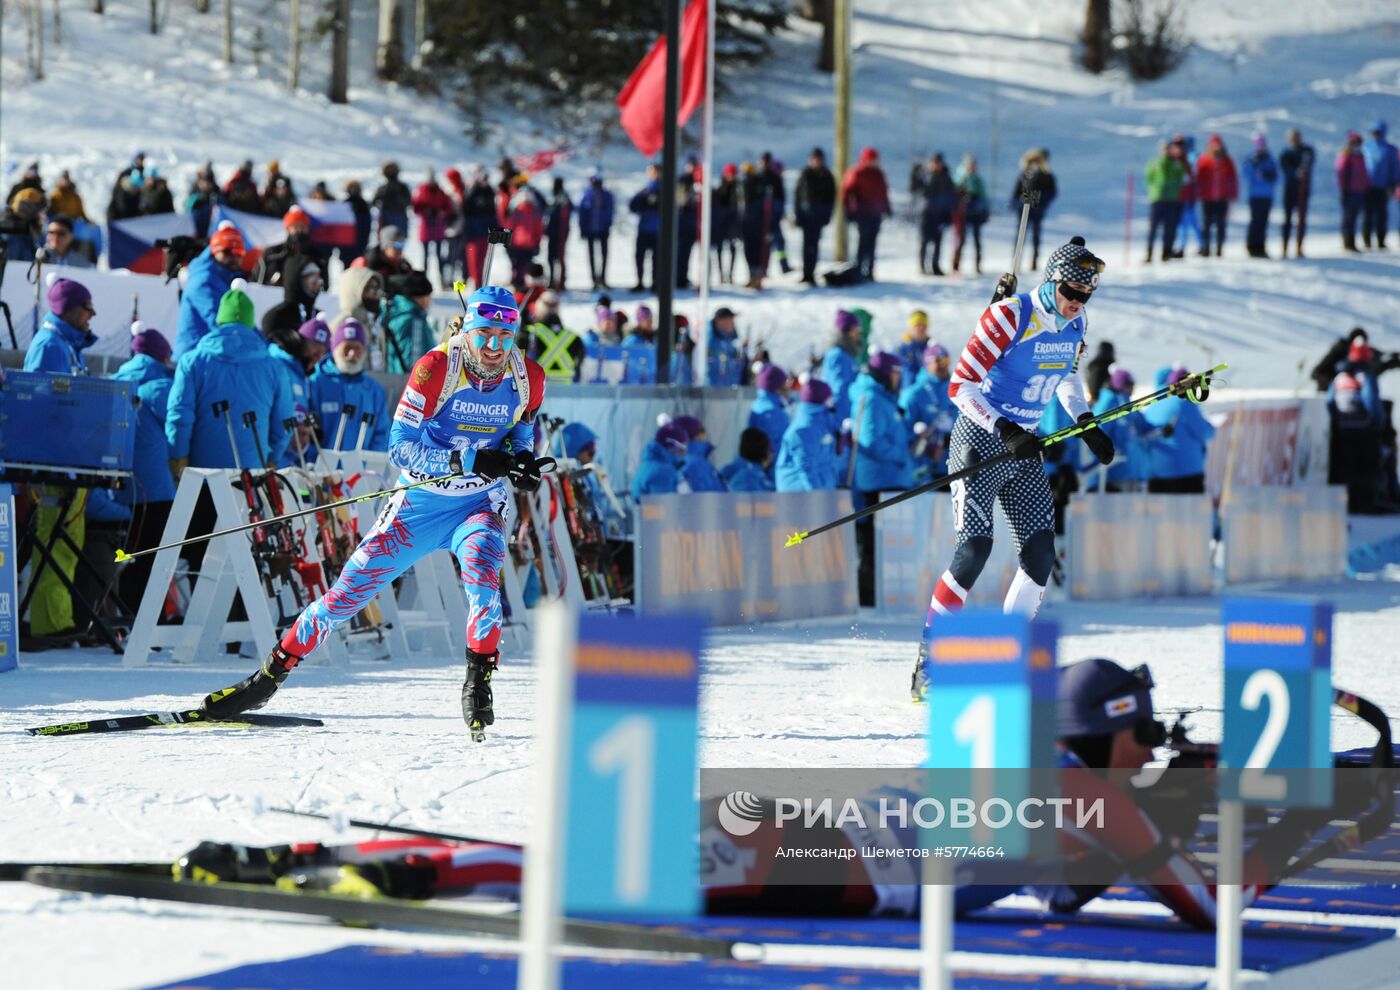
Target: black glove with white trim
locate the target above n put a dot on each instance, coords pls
(1097, 441)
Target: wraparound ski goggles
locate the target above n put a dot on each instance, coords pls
(1075, 295)
(495, 312)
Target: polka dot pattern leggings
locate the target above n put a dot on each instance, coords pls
(1020, 486)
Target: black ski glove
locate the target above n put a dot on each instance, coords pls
(490, 463)
(526, 472)
(1023, 445)
(1006, 287)
(1097, 441)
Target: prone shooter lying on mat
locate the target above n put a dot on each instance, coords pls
(1107, 734)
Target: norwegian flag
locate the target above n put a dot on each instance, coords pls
(332, 221)
(259, 232)
(540, 161)
(132, 243)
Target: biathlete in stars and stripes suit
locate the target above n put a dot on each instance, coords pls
(468, 411)
(1024, 353)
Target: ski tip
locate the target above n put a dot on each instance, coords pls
(795, 539)
(122, 556)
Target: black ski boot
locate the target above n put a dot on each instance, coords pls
(251, 692)
(476, 692)
(215, 862)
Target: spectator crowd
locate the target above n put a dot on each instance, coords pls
(867, 419)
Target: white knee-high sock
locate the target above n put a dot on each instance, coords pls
(1024, 595)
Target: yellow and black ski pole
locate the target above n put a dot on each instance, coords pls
(123, 556)
(1193, 387)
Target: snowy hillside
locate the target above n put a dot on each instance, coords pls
(989, 79)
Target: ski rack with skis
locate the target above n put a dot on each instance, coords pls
(228, 568)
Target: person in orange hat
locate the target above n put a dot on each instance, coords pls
(275, 260)
(211, 275)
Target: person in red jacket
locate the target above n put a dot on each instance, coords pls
(1352, 183)
(1216, 185)
(867, 198)
(525, 218)
(434, 208)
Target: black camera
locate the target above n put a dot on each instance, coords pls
(179, 252)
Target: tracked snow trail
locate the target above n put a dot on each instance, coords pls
(823, 693)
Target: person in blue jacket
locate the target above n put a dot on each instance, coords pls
(230, 363)
(727, 359)
(749, 471)
(1128, 433)
(925, 404)
(769, 410)
(647, 205)
(595, 220)
(1260, 178)
(839, 367)
(697, 470)
(151, 373)
(659, 473)
(308, 347)
(882, 441)
(1383, 169)
(639, 350)
(1177, 458)
(211, 274)
(64, 333)
(339, 381)
(580, 444)
(882, 454)
(806, 459)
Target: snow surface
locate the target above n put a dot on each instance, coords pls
(992, 79)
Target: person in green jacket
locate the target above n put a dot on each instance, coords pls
(410, 335)
(1165, 176)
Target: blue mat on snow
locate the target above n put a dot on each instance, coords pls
(1371, 900)
(1268, 946)
(364, 967)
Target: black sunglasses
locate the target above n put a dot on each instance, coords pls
(1074, 295)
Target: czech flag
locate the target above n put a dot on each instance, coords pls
(332, 221)
(259, 232)
(133, 241)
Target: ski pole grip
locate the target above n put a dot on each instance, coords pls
(498, 235)
(250, 419)
(220, 408)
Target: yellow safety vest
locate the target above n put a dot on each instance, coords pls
(555, 359)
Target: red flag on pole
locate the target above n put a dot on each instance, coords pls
(643, 98)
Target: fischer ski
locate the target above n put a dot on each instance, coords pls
(384, 913)
(151, 720)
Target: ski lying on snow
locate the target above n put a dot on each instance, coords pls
(10, 872)
(384, 913)
(190, 716)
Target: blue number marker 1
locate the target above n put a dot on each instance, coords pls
(616, 816)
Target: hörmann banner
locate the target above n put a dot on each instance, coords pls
(723, 553)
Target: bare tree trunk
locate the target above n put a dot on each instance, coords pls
(155, 26)
(228, 31)
(294, 48)
(340, 53)
(97, 6)
(420, 17)
(57, 24)
(38, 39)
(825, 11)
(1097, 36)
(389, 60)
(201, 6)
